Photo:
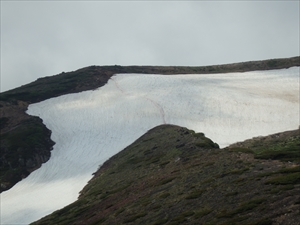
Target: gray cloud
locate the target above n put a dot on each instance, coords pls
(42, 38)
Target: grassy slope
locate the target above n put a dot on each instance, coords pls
(172, 175)
(283, 146)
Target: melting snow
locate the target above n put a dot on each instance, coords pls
(90, 127)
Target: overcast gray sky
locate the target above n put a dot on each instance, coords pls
(43, 38)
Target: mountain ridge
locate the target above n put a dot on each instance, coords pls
(172, 175)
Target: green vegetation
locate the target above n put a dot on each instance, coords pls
(284, 146)
(164, 177)
(202, 212)
(292, 178)
(245, 206)
(195, 194)
(135, 217)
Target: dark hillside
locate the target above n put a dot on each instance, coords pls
(17, 161)
(93, 77)
(283, 146)
(172, 175)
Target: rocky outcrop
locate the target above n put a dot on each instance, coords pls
(23, 149)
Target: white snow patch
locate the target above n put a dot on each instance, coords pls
(90, 127)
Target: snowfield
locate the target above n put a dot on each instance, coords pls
(91, 126)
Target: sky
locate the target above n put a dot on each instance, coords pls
(44, 38)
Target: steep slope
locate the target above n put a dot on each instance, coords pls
(172, 175)
(16, 162)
